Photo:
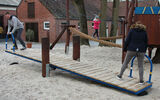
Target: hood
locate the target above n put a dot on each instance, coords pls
(138, 27)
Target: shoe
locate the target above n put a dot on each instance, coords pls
(141, 83)
(119, 77)
(23, 48)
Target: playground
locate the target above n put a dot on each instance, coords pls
(70, 71)
(24, 81)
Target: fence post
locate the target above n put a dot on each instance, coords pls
(45, 55)
(76, 47)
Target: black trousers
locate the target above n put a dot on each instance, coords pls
(96, 33)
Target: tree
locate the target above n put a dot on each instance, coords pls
(103, 17)
(115, 15)
(79, 4)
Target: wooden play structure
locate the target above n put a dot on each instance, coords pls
(149, 16)
(99, 75)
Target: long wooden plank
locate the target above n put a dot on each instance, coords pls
(105, 77)
(98, 73)
(103, 74)
(94, 69)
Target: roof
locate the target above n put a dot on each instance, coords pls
(13, 3)
(58, 9)
(147, 10)
(122, 6)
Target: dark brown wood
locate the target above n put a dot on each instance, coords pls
(150, 52)
(130, 16)
(127, 8)
(123, 39)
(45, 55)
(68, 31)
(67, 41)
(76, 47)
(152, 23)
(57, 39)
(156, 58)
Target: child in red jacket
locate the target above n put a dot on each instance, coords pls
(96, 22)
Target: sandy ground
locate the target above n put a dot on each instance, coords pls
(23, 81)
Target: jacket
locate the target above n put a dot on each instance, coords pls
(15, 23)
(96, 24)
(137, 39)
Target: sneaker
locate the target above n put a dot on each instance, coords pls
(141, 83)
(23, 48)
(119, 77)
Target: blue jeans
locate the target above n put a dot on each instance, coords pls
(17, 35)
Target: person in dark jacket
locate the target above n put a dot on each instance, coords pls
(135, 45)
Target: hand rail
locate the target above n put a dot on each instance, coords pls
(13, 42)
(151, 68)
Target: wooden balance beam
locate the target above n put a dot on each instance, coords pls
(97, 74)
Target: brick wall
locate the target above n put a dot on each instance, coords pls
(42, 14)
(2, 13)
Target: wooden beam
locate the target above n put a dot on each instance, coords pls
(76, 47)
(57, 39)
(45, 55)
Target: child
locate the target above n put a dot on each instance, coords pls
(96, 22)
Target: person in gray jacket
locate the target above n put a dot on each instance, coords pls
(16, 27)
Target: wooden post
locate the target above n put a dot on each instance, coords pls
(150, 51)
(76, 47)
(130, 16)
(123, 39)
(68, 31)
(45, 55)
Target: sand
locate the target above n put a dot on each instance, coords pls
(23, 81)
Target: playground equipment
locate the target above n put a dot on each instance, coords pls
(149, 16)
(99, 75)
(12, 40)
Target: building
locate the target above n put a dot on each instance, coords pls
(44, 15)
(7, 6)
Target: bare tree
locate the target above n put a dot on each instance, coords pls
(115, 15)
(79, 4)
(103, 17)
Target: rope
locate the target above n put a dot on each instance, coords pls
(83, 35)
(111, 38)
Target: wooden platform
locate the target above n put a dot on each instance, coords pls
(100, 75)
